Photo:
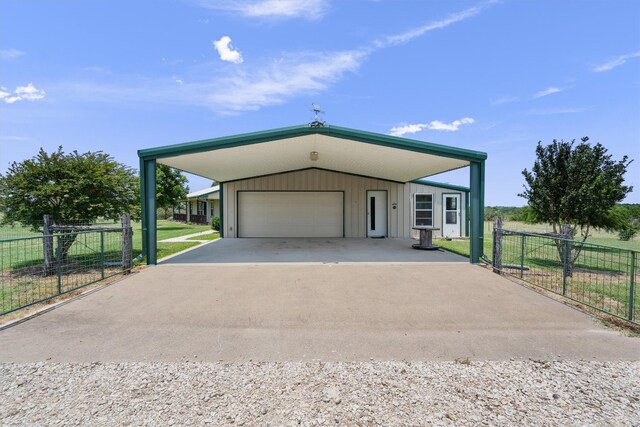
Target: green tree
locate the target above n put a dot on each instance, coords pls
(575, 184)
(72, 188)
(171, 187)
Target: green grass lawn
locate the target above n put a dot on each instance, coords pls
(166, 230)
(210, 236)
(20, 253)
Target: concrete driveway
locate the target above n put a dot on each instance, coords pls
(303, 311)
(312, 250)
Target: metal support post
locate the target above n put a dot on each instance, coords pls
(632, 285)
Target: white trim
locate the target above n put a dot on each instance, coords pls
(414, 208)
(445, 226)
(203, 192)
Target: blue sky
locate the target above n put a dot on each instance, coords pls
(494, 76)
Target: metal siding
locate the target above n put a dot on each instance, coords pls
(354, 188)
(413, 188)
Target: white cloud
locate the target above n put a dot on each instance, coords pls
(417, 32)
(505, 100)
(560, 110)
(22, 93)
(255, 85)
(10, 53)
(616, 62)
(284, 79)
(29, 92)
(548, 91)
(403, 130)
(12, 99)
(434, 125)
(310, 9)
(226, 51)
(14, 138)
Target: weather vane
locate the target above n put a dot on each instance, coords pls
(316, 123)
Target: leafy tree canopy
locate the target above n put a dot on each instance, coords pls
(70, 187)
(576, 184)
(171, 187)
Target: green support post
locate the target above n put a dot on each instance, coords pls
(148, 201)
(102, 253)
(221, 209)
(143, 209)
(522, 257)
(565, 266)
(632, 285)
(59, 264)
(476, 241)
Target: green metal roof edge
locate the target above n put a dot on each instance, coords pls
(294, 131)
(442, 185)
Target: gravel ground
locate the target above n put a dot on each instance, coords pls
(317, 393)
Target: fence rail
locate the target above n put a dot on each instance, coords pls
(28, 275)
(602, 277)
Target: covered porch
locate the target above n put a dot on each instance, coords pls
(338, 163)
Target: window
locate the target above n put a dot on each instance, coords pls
(423, 210)
(202, 208)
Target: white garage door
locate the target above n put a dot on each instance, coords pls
(290, 214)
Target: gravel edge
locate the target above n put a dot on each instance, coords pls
(322, 393)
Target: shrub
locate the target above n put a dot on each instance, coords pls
(627, 234)
(215, 223)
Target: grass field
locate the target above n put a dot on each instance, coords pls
(601, 275)
(23, 251)
(599, 237)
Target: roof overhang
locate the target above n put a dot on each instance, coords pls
(206, 193)
(335, 148)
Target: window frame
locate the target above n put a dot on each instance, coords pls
(415, 209)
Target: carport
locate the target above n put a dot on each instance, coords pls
(317, 181)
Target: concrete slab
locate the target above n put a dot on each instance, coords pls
(277, 312)
(311, 250)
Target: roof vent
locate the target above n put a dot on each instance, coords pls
(316, 123)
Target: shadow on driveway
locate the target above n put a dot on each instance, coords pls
(321, 250)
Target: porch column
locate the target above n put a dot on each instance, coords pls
(476, 242)
(221, 207)
(148, 205)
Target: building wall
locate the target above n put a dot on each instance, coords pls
(399, 220)
(412, 188)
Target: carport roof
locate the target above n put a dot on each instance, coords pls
(340, 149)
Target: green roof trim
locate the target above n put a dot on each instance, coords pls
(442, 185)
(295, 131)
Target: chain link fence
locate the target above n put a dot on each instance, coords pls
(36, 268)
(601, 277)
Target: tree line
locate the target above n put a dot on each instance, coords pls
(571, 182)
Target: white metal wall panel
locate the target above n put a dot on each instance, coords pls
(354, 189)
(290, 214)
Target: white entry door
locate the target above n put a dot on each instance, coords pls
(451, 216)
(376, 213)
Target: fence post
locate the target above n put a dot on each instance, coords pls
(59, 264)
(102, 253)
(47, 245)
(522, 256)
(566, 258)
(127, 243)
(497, 245)
(632, 284)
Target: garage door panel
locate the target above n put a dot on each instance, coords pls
(290, 214)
